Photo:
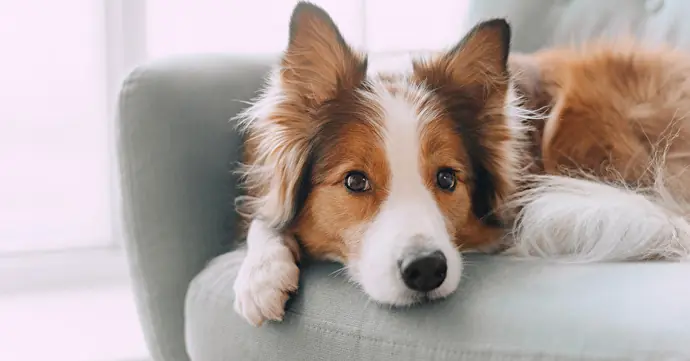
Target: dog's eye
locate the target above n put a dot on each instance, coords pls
(357, 182)
(446, 180)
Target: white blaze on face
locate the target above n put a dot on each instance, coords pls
(409, 220)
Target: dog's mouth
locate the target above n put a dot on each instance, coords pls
(416, 298)
(424, 297)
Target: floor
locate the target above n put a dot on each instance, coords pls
(93, 321)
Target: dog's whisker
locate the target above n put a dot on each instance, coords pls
(338, 272)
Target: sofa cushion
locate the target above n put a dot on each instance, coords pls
(504, 310)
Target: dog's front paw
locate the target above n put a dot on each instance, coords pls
(264, 283)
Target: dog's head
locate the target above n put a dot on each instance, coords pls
(388, 174)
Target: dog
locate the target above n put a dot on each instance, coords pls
(394, 174)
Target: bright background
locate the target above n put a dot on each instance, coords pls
(64, 288)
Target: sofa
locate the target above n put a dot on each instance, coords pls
(176, 151)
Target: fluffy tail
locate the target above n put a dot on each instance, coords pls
(580, 220)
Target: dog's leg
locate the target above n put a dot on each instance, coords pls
(267, 276)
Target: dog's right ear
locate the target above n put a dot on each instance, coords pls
(318, 62)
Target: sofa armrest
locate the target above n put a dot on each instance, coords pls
(176, 147)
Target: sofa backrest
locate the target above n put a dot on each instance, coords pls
(540, 23)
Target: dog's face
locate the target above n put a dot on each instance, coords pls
(388, 174)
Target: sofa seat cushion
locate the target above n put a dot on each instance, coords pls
(504, 310)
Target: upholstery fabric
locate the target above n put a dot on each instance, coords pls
(504, 310)
(176, 148)
(539, 23)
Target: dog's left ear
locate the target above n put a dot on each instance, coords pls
(472, 81)
(482, 55)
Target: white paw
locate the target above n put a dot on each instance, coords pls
(264, 283)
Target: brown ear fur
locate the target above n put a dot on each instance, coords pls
(317, 65)
(472, 82)
(318, 62)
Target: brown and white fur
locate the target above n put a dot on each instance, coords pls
(323, 119)
(609, 181)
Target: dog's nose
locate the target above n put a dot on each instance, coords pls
(424, 272)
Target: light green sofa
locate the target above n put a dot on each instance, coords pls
(176, 148)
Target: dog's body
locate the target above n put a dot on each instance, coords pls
(391, 175)
(616, 115)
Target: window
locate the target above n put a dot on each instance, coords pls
(53, 126)
(383, 27)
(235, 26)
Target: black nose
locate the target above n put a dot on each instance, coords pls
(424, 272)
